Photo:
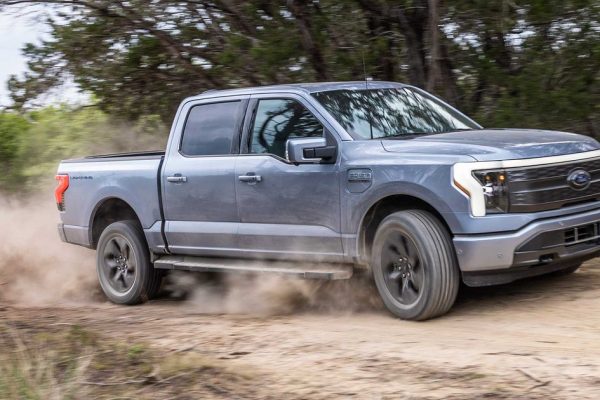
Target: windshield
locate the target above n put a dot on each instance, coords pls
(381, 113)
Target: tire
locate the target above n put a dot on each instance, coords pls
(156, 283)
(414, 265)
(123, 264)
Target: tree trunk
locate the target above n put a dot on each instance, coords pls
(300, 12)
(434, 76)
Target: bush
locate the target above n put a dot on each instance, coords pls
(31, 145)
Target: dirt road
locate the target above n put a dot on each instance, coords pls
(533, 339)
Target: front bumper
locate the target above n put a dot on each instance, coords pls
(556, 241)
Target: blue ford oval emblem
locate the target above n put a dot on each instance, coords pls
(579, 179)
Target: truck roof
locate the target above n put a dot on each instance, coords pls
(301, 88)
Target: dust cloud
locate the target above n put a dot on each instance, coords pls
(266, 294)
(37, 269)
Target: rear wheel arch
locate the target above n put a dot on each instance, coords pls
(108, 211)
(382, 208)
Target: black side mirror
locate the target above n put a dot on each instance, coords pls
(310, 151)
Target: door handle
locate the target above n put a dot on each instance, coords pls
(177, 178)
(250, 178)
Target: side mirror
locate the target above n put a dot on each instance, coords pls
(310, 151)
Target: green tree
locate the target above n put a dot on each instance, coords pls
(31, 145)
(13, 128)
(531, 63)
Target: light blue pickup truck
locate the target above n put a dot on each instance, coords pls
(322, 180)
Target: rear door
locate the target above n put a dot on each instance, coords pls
(289, 211)
(201, 216)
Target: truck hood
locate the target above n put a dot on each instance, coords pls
(496, 144)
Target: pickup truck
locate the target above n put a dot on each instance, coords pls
(322, 180)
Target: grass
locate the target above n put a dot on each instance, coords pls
(49, 369)
(69, 362)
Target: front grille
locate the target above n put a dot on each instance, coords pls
(554, 170)
(582, 234)
(545, 188)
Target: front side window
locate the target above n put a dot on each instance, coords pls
(278, 120)
(381, 113)
(210, 128)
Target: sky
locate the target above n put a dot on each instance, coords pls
(14, 33)
(18, 27)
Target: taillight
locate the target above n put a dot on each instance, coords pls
(59, 193)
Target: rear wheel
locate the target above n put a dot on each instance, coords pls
(123, 264)
(414, 265)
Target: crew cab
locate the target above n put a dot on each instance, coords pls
(325, 179)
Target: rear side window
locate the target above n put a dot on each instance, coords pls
(278, 120)
(210, 129)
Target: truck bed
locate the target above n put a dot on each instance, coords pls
(129, 177)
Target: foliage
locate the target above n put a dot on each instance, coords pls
(12, 130)
(33, 143)
(527, 63)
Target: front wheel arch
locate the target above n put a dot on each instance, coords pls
(380, 210)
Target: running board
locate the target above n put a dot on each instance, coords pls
(304, 270)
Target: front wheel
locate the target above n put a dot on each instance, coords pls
(414, 265)
(123, 264)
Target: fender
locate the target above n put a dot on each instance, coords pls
(357, 208)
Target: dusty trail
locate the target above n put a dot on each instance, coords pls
(533, 339)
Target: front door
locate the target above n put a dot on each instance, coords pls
(201, 216)
(286, 210)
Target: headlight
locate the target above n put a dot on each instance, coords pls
(495, 191)
(485, 184)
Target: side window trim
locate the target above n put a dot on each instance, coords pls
(239, 123)
(247, 127)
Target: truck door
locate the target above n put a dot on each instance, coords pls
(200, 212)
(286, 210)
